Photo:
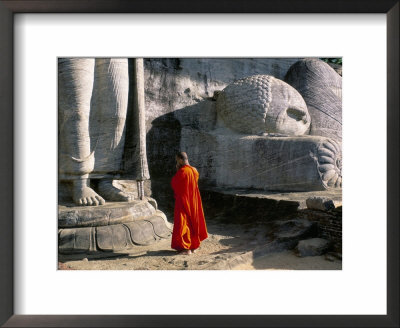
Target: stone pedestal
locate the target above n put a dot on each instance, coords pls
(112, 227)
(274, 163)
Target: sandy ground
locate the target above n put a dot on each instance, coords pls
(229, 246)
(287, 260)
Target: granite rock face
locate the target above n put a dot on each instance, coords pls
(321, 87)
(249, 140)
(179, 91)
(238, 133)
(312, 247)
(172, 84)
(227, 159)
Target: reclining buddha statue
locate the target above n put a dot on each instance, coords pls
(273, 135)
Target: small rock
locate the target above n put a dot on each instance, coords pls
(85, 259)
(295, 229)
(313, 247)
(320, 203)
(329, 257)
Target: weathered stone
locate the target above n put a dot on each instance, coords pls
(312, 247)
(223, 157)
(294, 230)
(273, 161)
(320, 203)
(93, 107)
(263, 104)
(115, 237)
(80, 240)
(141, 232)
(226, 159)
(110, 213)
(321, 88)
(162, 228)
(169, 106)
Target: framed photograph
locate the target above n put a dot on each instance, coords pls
(38, 40)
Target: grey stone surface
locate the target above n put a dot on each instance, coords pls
(128, 186)
(93, 102)
(139, 157)
(227, 159)
(294, 230)
(313, 247)
(108, 214)
(263, 104)
(114, 237)
(175, 83)
(320, 203)
(93, 110)
(178, 92)
(245, 139)
(321, 87)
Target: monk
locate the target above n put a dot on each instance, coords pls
(189, 222)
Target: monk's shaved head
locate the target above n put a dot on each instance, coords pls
(182, 155)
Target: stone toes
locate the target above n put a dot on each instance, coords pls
(95, 201)
(100, 200)
(84, 201)
(89, 201)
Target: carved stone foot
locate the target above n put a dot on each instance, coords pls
(110, 192)
(83, 195)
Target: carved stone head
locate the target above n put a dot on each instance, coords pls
(263, 104)
(321, 88)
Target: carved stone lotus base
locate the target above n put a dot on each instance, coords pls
(112, 227)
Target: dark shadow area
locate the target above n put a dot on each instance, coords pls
(163, 140)
(162, 253)
(162, 143)
(233, 208)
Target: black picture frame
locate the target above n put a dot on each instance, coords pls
(8, 200)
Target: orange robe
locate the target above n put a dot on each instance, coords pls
(189, 222)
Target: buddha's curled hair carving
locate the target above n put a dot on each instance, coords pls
(262, 104)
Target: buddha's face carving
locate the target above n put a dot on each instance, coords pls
(287, 112)
(263, 104)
